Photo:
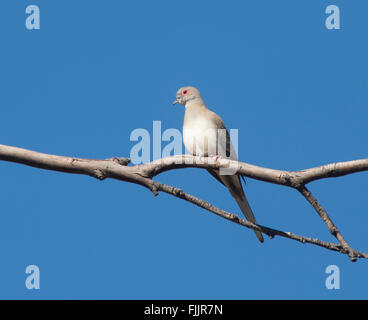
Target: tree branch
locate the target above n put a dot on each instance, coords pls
(281, 177)
(327, 220)
(176, 192)
(117, 168)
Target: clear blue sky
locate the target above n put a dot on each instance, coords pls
(96, 70)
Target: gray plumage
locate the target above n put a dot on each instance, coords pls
(201, 130)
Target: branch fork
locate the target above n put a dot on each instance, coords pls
(117, 168)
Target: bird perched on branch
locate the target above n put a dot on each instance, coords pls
(205, 134)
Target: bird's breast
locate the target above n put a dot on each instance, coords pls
(199, 136)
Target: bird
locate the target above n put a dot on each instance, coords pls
(202, 130)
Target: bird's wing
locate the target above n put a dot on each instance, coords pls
(225, 148)
(232, 182)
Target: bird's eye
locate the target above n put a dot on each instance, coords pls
(185, 92)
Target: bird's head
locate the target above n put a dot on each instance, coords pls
(186, 94)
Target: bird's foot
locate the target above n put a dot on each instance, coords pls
(218, 157)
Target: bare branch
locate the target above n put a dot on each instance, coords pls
(117, 168)
(327, 220)
(176, 192)
(281, 177)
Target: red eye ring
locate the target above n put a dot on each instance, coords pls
(185, 92)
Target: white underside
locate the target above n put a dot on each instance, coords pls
(200, 138)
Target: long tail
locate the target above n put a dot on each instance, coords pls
(234, 185)
(248, 213)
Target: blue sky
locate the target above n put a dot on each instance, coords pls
(297, 92)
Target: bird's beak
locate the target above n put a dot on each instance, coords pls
(175, 102)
